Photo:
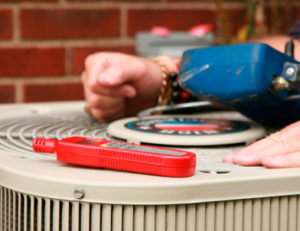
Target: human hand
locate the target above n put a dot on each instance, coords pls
(279, 150)
(117, 85)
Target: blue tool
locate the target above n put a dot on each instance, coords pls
(253, 78)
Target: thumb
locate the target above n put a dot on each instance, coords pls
(113, 82)
(124, 90)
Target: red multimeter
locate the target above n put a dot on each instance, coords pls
(118, 155)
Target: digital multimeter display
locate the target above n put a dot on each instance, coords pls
(143, 148)
(118, 155)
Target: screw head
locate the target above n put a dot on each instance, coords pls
(290, 71)
(79, 193)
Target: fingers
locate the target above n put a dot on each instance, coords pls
(228, 158)
(114, 69)
(134, 80)
(99, 70)
(247, 155)
(105, 108)
(125, 90)
(103, 102)
(111, 76)
(91, 85)
(281, 149)
(247, 151)
(108, 114)
(252, 154)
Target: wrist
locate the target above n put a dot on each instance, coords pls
(170, 91)
(166, 65)
(170, 63)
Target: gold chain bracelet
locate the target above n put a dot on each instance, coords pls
(166, 89)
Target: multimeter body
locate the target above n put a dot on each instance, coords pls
(103, 153)
(242, 76)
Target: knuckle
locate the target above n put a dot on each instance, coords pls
(96, 102)
(98, 114)
(92, 86)
(93, 103)
(87, 61)
(100, 102)
(96, 58)
(102, 116)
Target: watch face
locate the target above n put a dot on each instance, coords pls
(187, 126)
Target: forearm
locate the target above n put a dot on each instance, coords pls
(278, 42)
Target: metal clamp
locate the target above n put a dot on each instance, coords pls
(173, 107)
(290, 79)
(291, 72)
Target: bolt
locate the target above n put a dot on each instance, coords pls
(79, 193)
(290, 71)
(280, 83)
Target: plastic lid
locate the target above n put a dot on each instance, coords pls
(201, 29)
(161, 31)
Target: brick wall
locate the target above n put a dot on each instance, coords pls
(43, 43)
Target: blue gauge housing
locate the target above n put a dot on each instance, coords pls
(240, 76)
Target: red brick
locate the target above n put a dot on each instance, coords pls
(32, 61)
(144, 19)
(69, 23)
(52, 92)
(5, 24)
(296, 13)
(236, 19)
(286, 20)
(294, 17)
(7, 93)
(80, 53)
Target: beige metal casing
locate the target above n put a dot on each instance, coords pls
(39, 193)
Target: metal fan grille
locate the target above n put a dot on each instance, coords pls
(27, 212)
(16, 134)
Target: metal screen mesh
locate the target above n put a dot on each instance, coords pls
(16, 134)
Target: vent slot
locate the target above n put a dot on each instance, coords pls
(27, 212)
(16, 134)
